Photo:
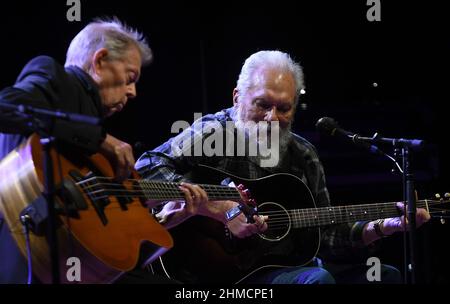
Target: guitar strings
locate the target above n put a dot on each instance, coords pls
(308, 222)
(229, 190)
(146, 182)
(163, 184)
(159, 189)
(277, 219)
(283, 220)
(218, 189)
(333, 209)
(153, 190)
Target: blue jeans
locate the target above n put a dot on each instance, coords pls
(327, 274)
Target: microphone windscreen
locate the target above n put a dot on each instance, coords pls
(326, 125)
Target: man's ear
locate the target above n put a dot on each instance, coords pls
(235, 96)
(98, 60)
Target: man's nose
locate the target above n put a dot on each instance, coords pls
(272, 115)
(131, 91)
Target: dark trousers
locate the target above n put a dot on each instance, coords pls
(327, 274)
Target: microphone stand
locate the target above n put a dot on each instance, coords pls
(330, 126)
(408, 192)
(408, 186)
(41, 121)
(398, 155)
(49, 195)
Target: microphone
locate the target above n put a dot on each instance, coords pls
(329, 126)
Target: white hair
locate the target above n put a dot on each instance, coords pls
(111, 34)
(270, 59)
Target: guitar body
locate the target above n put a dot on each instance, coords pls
(206, 252)
(113, 236)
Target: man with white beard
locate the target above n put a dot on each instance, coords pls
(265, 99)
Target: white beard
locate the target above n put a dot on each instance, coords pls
(252, 132)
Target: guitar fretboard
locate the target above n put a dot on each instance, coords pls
(158, 190)
(313, 217)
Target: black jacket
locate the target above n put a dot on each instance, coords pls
(46, 84)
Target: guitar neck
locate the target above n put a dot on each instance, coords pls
(300, 218)
(159, 190)
(315, 217)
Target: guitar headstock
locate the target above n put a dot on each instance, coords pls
(437, 207)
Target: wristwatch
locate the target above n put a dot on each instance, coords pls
(232, 213)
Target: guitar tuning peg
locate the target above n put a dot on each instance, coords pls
(447, 195)
(442, 221)
(437, 195)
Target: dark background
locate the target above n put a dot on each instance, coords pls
(200, 47)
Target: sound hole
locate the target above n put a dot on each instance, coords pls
(279, 222)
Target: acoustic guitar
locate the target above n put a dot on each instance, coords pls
(206, 252)
(105, 224)
(108, 226)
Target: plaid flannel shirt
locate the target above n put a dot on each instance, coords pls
(339, 243)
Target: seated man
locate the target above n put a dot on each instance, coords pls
(102, 67)
(268, 90)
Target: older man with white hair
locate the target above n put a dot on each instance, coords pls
(267, 91)
(102, 67)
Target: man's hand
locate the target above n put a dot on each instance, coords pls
(238, 226)
(196, 198)
(197, 203)
(394, 224)
(120, 154)
(241, 229)
(174, 213)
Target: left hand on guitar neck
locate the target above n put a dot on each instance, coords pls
(394, 224)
